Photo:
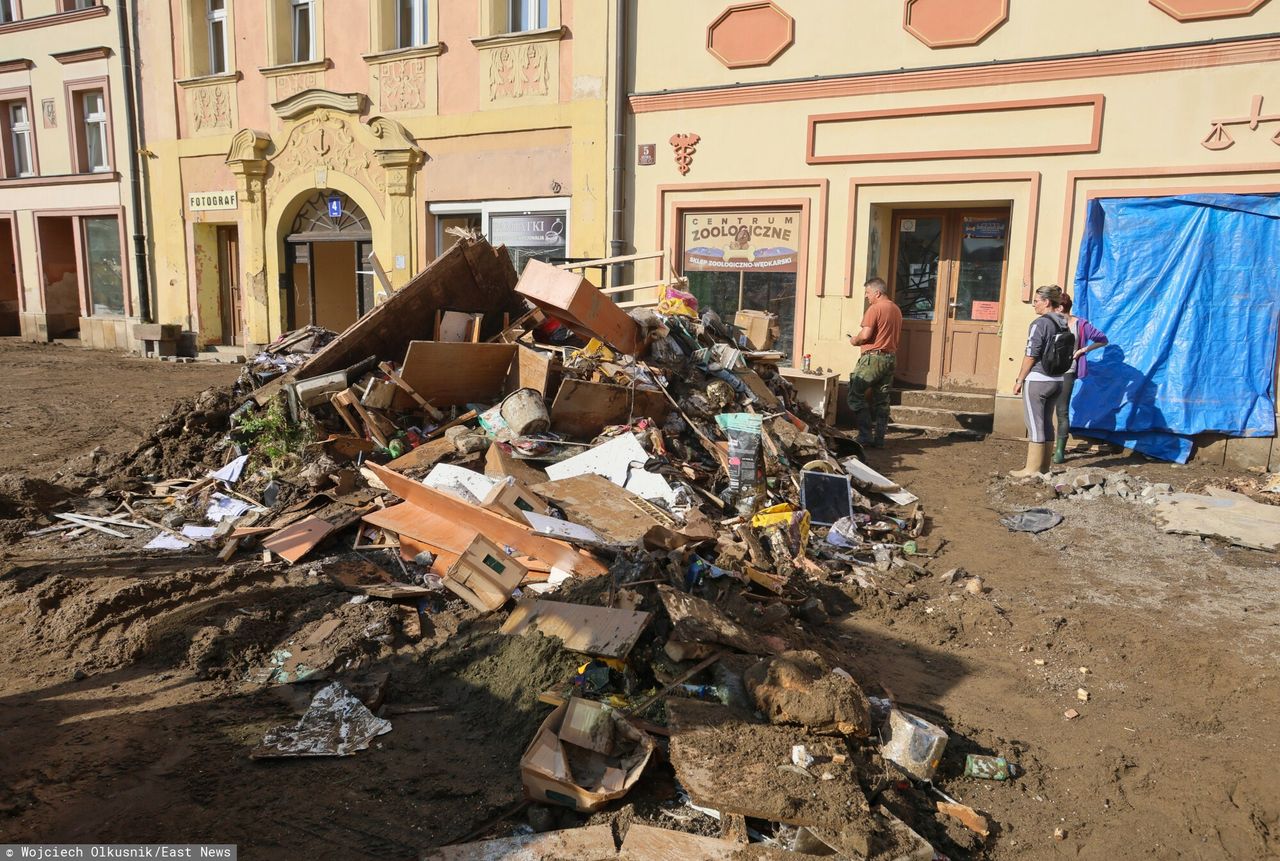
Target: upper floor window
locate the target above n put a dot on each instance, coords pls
(216, 19)
(8, 11)
(19, 115)
(94, 143)
(527, 15)
(304, 33)
(411, 23)
(72, 5)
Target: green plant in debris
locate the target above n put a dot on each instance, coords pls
(271, 436)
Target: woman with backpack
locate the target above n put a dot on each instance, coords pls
(1088, 339)
(1050, 348)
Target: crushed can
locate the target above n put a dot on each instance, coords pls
(987, 767)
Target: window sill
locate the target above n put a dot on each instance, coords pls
(58, 179)
(19, 65)
(55, 18)
(434, 50)
(209, 80)
(294, 68)
(546, 34)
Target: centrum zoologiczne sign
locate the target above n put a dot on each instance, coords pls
(741, 240)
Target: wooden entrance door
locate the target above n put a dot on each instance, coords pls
(949, 279)
(229, 284)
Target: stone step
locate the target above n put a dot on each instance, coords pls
(979, 422)
(219, 353)
(945, 400)
(935, 433)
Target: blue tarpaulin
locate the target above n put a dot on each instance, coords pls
(1187, 290)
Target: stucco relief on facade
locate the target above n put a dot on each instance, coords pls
(291, 85)
(685, 145)
(211, 108)
(402, 85)
(325, 141)
(1219, 138)
(1200, 10)
(948, 24)
(750, 34)
(516, 72)
(50, 113)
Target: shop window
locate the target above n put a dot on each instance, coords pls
(744, 260)
(8, 11)
(92, 130)
(19, 152)
(539, 235)
(104, 265)
(303, 23)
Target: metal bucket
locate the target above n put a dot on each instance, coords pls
(525, 412)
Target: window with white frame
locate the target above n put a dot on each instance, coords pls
(527, 15)
(8, 11)
(411, 23)
(21, 163)
(216, 24)
(93, 126)
(72, 5)
(304, 30)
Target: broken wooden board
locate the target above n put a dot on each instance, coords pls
(494, 526)
(1233, 517)
(298, 539)
(456, 374)
(595, 501)
(590, 843)
(500, 463)
(583, 628)
(471, 276)
(426, 455)
(647, 843)
(572, 299)
(697, 620)
(582, 409)
(732, 765)
(530, 369)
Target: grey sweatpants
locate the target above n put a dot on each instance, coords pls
(1039, 400)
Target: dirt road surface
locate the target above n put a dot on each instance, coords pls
(118, 731)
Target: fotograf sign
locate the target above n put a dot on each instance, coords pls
(205, 201)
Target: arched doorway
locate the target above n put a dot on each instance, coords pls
(327, 263)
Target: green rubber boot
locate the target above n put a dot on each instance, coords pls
(1060, 450)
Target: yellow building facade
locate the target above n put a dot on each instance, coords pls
(69, 226)
(305, 156)
(785, 152)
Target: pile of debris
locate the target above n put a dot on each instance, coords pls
(1094, 483)
(648, 488)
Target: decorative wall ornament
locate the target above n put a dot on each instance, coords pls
(1219, 138)
(402, 84)
(750, 34)
(1201, 10)
(685, 147)
(950, 24)
(49, 110)
(211, 108)
(291, 85)
(325, 141)
(516, 72)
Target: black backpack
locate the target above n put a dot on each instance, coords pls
(1059, 350)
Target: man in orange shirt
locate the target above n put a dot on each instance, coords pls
(881, 330)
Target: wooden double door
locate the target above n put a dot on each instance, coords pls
(949, 278)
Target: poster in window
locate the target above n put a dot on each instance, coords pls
(984, 228)
(742, 241)
(987, 312)
(528, 230)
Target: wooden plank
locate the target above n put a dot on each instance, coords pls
(394, 376)
(583, 628)
(607, 261)
(582, 409)
(425, 455)
(590, 843)
(298, 539)
(530, 369)
(595, 501)
(494, 526)
(499, 463)
(456, 374)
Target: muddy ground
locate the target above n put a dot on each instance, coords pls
(126, 716)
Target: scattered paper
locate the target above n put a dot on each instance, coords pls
(222, 506)
(199, 533)
(231, 472)
(574, 533)
(167, 541)
(466, 484)
(336, 724)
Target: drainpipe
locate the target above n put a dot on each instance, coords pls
(617, 245)
(133, 111)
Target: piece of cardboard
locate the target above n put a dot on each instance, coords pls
(591, 630)
(455, 374)
(593, 500)
(582, 409)
(498, 463)
(484, 575)
(511, 498)
(569, 297)
(760, 327)
(547, 770)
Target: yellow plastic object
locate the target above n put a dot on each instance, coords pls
(783, 514)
